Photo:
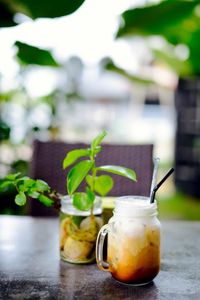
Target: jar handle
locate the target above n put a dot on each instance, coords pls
(103, 265)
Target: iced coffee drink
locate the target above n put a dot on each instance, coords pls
(133, 241)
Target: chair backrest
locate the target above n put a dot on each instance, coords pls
(47, 165)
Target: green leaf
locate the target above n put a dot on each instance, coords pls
(12, 176)
(97, 149)
(5, 183)
(36, 9)
(183, 68)
(81, 201)
(97, 140)
(90, 194)
(20, 199)
(73, 155)
(103, 184)
(32, 193)
(110, 66)
(194, 49)
(89, 180)
(156, 19)
(48, 9)
(25, 183)
(122, 171)
(45, 200)
(23, 178)
(30, 55)
(180, 28)
(77, 174)
(41, 186)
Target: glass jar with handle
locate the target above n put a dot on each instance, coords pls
(133, 250)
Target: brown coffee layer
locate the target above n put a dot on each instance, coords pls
(139, 268)
(139, 276)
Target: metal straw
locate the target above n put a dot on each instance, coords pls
(152, 197)
(155, 171)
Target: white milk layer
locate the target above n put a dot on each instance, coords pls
(134, 206)
(134, 216)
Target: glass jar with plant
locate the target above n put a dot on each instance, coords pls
(80, 212)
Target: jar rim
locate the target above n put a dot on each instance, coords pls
(68, 208)
(135, 206)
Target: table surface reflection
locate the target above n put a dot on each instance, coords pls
(30, 267)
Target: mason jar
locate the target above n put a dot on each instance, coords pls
(133, 250)
(78, 231)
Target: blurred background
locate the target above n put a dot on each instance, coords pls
(69, 70)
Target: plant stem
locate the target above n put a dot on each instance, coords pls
(16, 187)
(94, 171)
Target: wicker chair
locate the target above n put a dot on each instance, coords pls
(47, 165)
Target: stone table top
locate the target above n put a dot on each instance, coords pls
(30, 267)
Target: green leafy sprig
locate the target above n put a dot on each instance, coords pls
(28, 187)
(87, 170)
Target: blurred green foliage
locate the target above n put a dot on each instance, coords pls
(6, 15)
(4, 131)
(179, 206)
(30, 55)
(178, 22)
(109, 65)
(8, 192)
(36, 9)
